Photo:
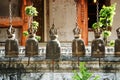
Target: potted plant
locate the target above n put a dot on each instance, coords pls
(106, 19)
(33, 25)
(84, 74)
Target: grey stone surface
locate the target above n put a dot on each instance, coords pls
(61, 76)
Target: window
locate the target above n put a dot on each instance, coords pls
(4, 8)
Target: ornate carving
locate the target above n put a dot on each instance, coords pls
(76, 31)
(31, 47)
(78, 47)
(97, 47)
(53, 31)
(31, 32)
(11, 32)
(11, 45)
(53, 46)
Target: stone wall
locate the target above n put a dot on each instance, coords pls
(116, 21)
(64, 14)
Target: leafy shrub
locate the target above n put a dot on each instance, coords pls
(31, 11)
(83, 73)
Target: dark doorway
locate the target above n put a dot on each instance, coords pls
(39, 4)
(92, 10)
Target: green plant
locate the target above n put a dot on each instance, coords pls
(25, 33)
(105, 21)
(106, 33)
(35, 24)
(111, 43)
(83, 73)
(38, 38)
(31, 12)
(106, 15)
(96, 25)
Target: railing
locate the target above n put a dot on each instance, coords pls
(66, 51)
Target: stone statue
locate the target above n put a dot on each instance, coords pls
(53, 31)
(117, 43)
(31, 47)
(11, 33)
(78, 47)
(97, 46)
(53, 46)
(76, 31)
(11, 44)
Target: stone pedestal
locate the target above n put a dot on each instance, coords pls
(31, 48)
(11, 48)
(97, 48)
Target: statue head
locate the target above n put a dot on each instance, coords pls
(77, 32)
(118, 32)
(11, 32)
(97, 33)
(31, 32)
(53, 32)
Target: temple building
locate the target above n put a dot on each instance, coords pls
(65, 14)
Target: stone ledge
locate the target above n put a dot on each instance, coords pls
(65, 51)
(58, 66)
